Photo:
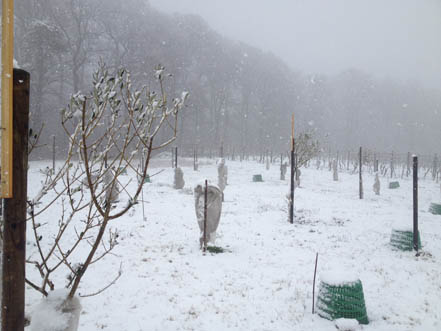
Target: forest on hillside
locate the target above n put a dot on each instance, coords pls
(239, 95)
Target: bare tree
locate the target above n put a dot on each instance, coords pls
(106, 130)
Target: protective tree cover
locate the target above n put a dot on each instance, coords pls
(335, 170)
(214, 209)
(377, 184)
(112, 189)
(222, 174)
(283, 170)
(57, 312)
(179, 181)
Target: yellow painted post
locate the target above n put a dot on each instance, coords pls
(6, 93)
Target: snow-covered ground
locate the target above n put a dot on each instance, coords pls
(264, 279)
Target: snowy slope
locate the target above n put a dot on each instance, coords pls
(264, 279)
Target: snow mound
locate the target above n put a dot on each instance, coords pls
(50, 314)
(346, 324)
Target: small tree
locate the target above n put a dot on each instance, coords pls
(306, 148)
(106, 128)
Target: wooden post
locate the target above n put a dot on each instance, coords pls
(205, 215)
(435, 167)
(142, 188)
(291, 205)
(173, 157)
(7, 86)
(176, 157)
(14, 231)
(53, 153)
(392, 165)
(194, 159)
(375, 163)
(408, 164)
(360, 179)
(415, 203)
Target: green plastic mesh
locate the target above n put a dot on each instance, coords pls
(342, 301)
(403, 240)
(215, 249)
(394, 185)
(257, 178)
(435, 208)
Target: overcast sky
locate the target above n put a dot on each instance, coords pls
(400, 39)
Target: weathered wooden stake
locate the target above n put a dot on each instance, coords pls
(291, 205)
(142, 188)
(392, 165)
(53, 153)
(415, 203)
(408, 164)
(14, 230)
(194, 159)
(205, 215)
(375, 163)
(173, 157)
(360, 179)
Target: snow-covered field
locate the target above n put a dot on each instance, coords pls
(264, 279)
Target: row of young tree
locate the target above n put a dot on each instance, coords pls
(239, 94)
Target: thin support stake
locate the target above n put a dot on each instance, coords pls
(53, 153)
(360, 178)
(142, 188)
(415, 203)
(205, 215)
(291, 205)
(313, 283)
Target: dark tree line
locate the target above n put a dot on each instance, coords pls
(239, 95)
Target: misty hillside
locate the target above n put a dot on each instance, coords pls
(238, 94)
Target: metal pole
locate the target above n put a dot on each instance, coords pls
(415, 203)
(176, 157)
